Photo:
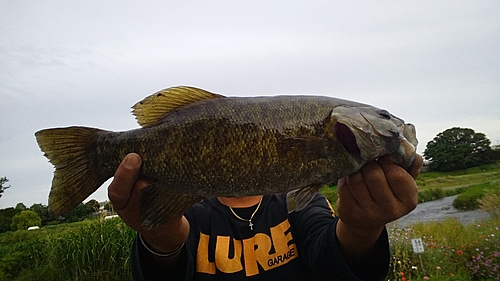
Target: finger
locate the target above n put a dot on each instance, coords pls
(414, 169)
(378, 186)
(402, 184)
(357, 194)
(125, 176)
(359, 183)
(346, 202)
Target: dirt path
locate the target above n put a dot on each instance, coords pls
(439, 210)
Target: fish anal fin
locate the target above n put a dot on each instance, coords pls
(152, 108)
(298, 199)
(159, 204)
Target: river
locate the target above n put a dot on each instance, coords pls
(439, 210)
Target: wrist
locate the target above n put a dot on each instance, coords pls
(366, 233)
(357, 242)
(158, 254)
(166, 238)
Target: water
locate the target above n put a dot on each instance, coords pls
(439, 210)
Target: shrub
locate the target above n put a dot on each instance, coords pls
(331, 195)
(88, 250)
(10, 265)
(469, 199)
(490, 202)
(25, 219)
(430, 195)
(97, 250)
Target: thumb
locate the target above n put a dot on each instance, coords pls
(125, 177)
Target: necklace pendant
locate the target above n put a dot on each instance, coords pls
(251, 225)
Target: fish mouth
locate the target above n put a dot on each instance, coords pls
(393, 134)
(396, 144)
(348, 140)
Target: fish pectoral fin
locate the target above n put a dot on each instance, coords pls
(298, 199)
(159, 204)
(152, 108)
(311, 146)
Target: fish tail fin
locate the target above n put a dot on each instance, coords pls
(73, 152)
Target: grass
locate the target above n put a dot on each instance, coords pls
(471, 184)
(89, 250)
(100, 249)
(469, 199)
(452, 251)
(457, 179)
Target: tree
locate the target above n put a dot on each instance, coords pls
(43, 212)
(458, 148)
(21, 206)
(495, 155)
(93, 205)
(108, 206)
(6, 216)
(3, 187)
(79, 213)
(25, 219)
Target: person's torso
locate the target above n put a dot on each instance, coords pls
(224, 245)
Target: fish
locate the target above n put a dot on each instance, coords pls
(198, 144)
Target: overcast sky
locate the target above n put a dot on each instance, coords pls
(435, 64)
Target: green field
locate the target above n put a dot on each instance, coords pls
(95, 249)
(457, 179)
(99, 249)
(453, 251)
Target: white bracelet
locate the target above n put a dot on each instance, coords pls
(166, 255)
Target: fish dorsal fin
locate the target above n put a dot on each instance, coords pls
(151, 109)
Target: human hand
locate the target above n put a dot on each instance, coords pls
(125, 194)
(380, 192)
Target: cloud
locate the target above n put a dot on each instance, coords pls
(435, 64)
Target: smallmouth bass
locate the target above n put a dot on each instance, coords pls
(198, 145)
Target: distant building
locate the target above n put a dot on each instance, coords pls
(101, 205)
(110, 217)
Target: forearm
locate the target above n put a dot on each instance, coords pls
(357, 243)
(146, 267)
(160, 252)
(364, 251)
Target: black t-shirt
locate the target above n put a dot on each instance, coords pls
(281, 246)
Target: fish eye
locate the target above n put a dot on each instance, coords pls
(384, 114)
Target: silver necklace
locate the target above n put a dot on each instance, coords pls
(251, 217)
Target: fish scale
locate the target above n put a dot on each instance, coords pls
(207, 145)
